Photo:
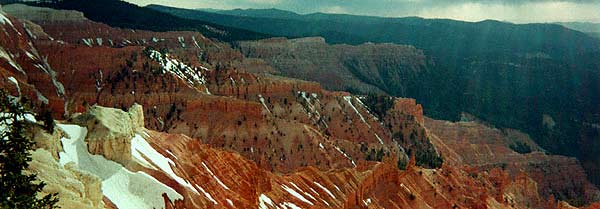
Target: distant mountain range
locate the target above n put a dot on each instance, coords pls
(118, 13)
(587, 27)
(593, 29)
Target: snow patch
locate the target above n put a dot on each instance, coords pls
(324, 189)
(263, 201)
(99, 41)
(296, 194)
(168, 151)
(230, 202)
(345, 155)
(262, 101)
(215, 177)
(290, 205)
(349, 101)
(195, 42)
(181, 41)
(336, 187)
(207, 195)
(14, 81)
(9, 58)
(88, 41)
(367, 201)
(298, 188)
(4, 20)
(140, 145)
(124, 188)
(193, 76)
(31, 56)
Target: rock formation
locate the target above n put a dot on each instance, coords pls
(212, 134)
(111, 131)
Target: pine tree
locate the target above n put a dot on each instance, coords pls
(18, 189)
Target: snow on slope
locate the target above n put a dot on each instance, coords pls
(141, 147)
(192, 76)
(3, 19)
(124, 188)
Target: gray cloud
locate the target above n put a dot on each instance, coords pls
(471, 10)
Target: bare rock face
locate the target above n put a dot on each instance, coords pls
(48, 141)
(75, 188)
(111, 131)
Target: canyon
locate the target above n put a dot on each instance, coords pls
(178, 120)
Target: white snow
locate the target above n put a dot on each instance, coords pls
(229, 202)
(298, 188)
(193, 76)
(14, 81)
(349, 100)
(345, 155)
(367, 201)
(215, 177)
(168, 151)
(124, 188)
(41, 97)
(8, 57)
(232, 81)
(31, 56)
(262, 101)
(99, 41)
(181, 41)
(324, 189)
(138, 155)
(141, 146)
(263, 200)
(290, 205)
(195, 42)
(88, 41)
(207, 194)
(4, 20)
(336, 187)
(296, 194)
(309, 106)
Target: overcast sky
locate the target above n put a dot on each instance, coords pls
(519, 11)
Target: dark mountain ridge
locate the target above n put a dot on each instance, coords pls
(119, 13)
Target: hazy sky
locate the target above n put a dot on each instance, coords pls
(520, 11)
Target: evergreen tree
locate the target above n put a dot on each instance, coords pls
(18, 189)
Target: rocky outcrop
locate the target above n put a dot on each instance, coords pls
(47, 141)
(111, 131)
(75, 188)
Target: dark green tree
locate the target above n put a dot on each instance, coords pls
(17, 188)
